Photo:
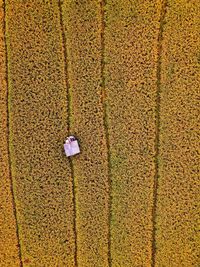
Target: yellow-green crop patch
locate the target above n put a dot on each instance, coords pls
(82, 22)
(178, 194)
(38, 125)
(131, 89)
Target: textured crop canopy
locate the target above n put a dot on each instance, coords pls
(71, 146)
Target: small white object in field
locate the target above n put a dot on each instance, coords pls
(71, 146)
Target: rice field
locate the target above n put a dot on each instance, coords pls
(123, 77)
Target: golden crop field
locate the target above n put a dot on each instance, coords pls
(124, 78)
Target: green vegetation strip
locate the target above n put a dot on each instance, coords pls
(38, 127)
(131, 37)
(178, 192)
(82, 23)
(9, 243)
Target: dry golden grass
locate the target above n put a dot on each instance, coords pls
(82, 22)
(9, 251)
(131, 84)
(38, 125)
(178, 208)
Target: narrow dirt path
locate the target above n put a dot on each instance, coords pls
(105, 118)
(157, 134)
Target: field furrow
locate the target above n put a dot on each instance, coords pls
(83, 31)
(9, 242)
(131, 59)
(178, 206)
(157, 132)
(38, 126)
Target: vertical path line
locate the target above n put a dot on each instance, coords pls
(105, 121)
(8, 141)
(157, 138)
(68, 125)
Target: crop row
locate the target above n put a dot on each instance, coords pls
(178, 200)
(38, 126)
(82, 23)
(131, 35)
(9, 252)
